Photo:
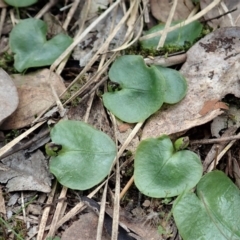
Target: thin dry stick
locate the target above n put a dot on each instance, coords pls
(89, 104)
(102, 213)
(50, 4)
(169, 61)
(45, 214)
(83, 16)
(127, 186)
(222, 153)
(146, 13)
(23, 208)
(57, 212)
(225, 9)
(196, 17)
(116, 204)
(217, 140)
(125, 144)
(80, 38)
(129, 138)
(71, 13)
(56, 98)
(10, 145)
(116, 208)
(2, 20)
(167, 25)
(12, 17)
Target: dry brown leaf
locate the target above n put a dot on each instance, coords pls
(35, 95)
(211, 105)
(8, 96)
(160, 9)
(212, 71)
(228, 20)
(123, 127)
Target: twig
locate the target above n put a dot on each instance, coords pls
(10, 145)
(146, 13)
(45, 214)
(70, 13)
(3, 16)
(211, 167)
(167, 25)
(57, 212)
(217, 140)
(50, 4)
(127, 186)
(169, 61)
(219, 16)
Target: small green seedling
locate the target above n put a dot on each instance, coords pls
(52, 149)
(181, 143)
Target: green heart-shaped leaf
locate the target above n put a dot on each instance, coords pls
(28, 42)
(142, 89)
(85, 156)
(212, 213)
(175, 85)
(22, 3)
(161, 172)
(178, 38)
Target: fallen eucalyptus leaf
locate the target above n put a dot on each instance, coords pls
(35, 96)
(8, 96)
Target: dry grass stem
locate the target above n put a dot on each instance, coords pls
(71, 13)
(127, 186)
(46, 8)
(102, 212)
(2, 19)
(10, 145)
(167, 25)
(45, 213)
(80, 38)
(57, 212)
(219, 157)
(195, 17)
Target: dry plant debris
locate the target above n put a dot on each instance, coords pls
(8, 96)
(102, 30)
(34, 86)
